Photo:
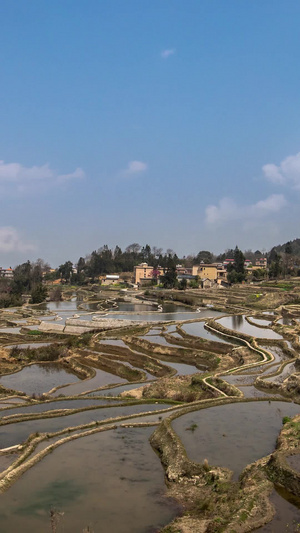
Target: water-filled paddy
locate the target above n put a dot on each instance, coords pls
(101, 379)
(133, 307)
(115, 391)
(153, 317)
(159, 339)
(287, 508)
(66, 305)
(112, 342)
(239, 323)
(13, 330)
(16, 433)
(12, 400)
(286, 371)
(285, 321)
(233, 435)
(239, 379)
(260, 321)
(50, 406)
(23, 346)
(38, 378)
(198, 329)
(276, 351)
(250, 391)
(183, 369)
(112, 481)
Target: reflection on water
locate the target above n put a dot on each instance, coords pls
(285, 321)
(261, 321)
(238, 323)
(111, 481)
(198, 329)
(69, 305)
(39, 378)
(134, 308)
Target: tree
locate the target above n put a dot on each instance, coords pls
(38, 294)
(147, 255)
(22, 278)
(236, 271)
(66, 270)
(169, 279)
(259, 273)
(288, 250)
(204, 256)
(182, 285)
(275, 266)
(154, 274)
(133, 248)
(239, 261)
(81, 265)
(56, 294)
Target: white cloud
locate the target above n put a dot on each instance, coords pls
(134, 168)
(228, 210)
(167, 53)
(17, 175)
(287, 172)
(77, 174)
(11, 241)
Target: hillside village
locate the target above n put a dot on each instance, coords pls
(141, 267)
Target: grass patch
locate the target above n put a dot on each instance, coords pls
(34, 332)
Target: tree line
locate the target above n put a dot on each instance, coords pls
(28, 277)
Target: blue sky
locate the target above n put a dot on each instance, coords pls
(163, 122)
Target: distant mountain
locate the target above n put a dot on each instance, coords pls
(281, 248)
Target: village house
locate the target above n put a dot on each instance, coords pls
(110, 279)
(261, 262)
(213, 272)
(6, 272)
(144, 273)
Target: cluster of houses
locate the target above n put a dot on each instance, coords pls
(210, 274)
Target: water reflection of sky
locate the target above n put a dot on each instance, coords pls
(239, 323)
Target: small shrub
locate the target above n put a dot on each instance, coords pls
(206, 465)
(286, 419)
(192, 427)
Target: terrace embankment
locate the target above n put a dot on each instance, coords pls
(185, 388)
(278, 468)
(101, 362)
(290, 387)
(184, 355)
(141, 360)
(260, 297)
(211, 500)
